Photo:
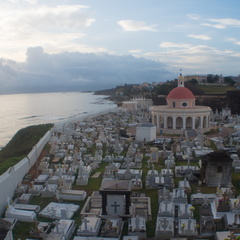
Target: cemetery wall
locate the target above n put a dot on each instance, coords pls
(14, 175)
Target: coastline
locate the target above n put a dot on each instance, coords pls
(23, 110)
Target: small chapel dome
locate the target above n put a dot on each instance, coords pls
(180, 93)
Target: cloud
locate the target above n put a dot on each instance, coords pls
(131, 25)
(219, 26)
(202, 37)
(75, 71)
(19, 1)
(193, 16)
(233, 40)
(196, 58)
(135, 51)
(223, 23)
(58, 27)
(174, 45)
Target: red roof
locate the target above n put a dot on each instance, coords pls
(180, 93)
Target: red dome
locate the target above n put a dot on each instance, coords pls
(180, 93)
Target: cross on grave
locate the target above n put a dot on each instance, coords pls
(115, 206)
(137, 222)
(164, 223)
(85, 221)
(232, 236)
(225, 196)
(57, 226)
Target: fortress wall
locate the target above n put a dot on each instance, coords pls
(14, 175)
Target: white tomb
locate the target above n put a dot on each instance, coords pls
(21, 215)
(68, 194)
(59, 210)
(90, 226)
(164, 227)
(65, 227)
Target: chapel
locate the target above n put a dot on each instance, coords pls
(181, 112)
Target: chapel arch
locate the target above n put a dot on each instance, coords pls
(204, 122)
(179, 123)
(189, 123)
(169, 123)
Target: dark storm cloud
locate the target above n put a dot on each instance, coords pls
(74, 71)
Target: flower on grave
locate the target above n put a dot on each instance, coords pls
(220, 200)
(183, 225)
(192, 208)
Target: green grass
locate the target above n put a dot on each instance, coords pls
(22, 229)
(212, 89)
(5, 165)
(236, 182)
(21, 144)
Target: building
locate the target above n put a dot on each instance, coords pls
(180, 113)
(217, 169)
(146, 132)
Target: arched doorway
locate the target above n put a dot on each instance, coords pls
(179, 123)
(204, 122)
(169, 123)
(189, 124)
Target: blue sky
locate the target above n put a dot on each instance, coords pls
(197, 36)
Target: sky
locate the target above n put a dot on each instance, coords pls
(75, 45)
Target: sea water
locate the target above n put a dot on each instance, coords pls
(21, 110)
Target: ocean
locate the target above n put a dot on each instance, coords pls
(21, 110)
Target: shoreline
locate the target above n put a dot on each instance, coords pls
(34, 109)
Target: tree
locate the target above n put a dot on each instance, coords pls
(229, 81)
(193, 81)
(215, 78)
(210, 78)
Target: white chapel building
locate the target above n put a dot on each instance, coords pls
(180, 113)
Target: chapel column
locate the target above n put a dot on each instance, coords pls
(174, 122)
(193, 122)
(165, 122)
(201, 123)
(184, 122)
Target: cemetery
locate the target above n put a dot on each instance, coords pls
(95, 184)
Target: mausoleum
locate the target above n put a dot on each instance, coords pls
(181, 112)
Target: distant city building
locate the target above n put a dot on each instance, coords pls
(180, 113)
(199, 78)
(137, 103)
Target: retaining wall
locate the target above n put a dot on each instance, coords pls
(14, 175)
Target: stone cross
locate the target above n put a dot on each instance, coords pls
(115, 206)
(148, 162)
(57, 226)
(137, 222)
(85, 221)
(185, 182)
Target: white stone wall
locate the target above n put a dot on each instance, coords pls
(145, 133)
(14, 175)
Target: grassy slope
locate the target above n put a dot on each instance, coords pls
(21, 144)
(210, 89)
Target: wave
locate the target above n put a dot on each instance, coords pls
(34, 116)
